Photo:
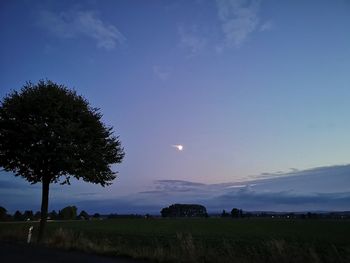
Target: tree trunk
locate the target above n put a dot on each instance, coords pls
(44, 207)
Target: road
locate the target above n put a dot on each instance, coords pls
(15, 253)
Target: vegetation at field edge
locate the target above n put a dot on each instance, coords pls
(201, 240)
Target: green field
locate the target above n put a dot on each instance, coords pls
(201, 240)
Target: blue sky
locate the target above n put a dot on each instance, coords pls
(248, 87)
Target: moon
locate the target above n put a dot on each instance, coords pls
(178, 146)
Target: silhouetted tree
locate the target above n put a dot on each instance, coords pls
(96, 215)
(184, 210)
(68, 213)
(53, 215)
(37, 215)
(235, 213)
(148, 216)
(3, 213)
(165, 212)
(18, 216)
(49, 133)
(224, 213)
(83, 215)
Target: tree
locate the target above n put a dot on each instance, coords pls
(53, 215)
(68, 213)
(235, 212)
(83, 215)
(165, 212)
(18, 216)
(184, 210)
(224, 213)
(96, 215)
(49, 134)
(3, 213)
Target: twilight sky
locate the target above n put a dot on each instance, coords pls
(256, 91)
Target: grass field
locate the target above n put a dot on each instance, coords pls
(201, 240)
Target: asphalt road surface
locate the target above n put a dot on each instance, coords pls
(15, 253)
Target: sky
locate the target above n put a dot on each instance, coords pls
(257, 92)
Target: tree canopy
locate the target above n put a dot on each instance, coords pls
(49, 133)
(235, 212)
(68, 213)
(84, 215)
(184, 210)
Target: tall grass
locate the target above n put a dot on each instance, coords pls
(184, 246)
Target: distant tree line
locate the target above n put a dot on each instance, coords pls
(67, 213)
(175, 210)
(239, 213)
(114, 216)
(184, 210)
(235, 213)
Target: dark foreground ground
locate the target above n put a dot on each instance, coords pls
(16, 253)
(175, 240)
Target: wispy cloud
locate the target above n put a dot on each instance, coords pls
(73, 24)
(191, 40)
(267, 26)
(323, 188)
(281, 201)
(239, 18)
(161, 73)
